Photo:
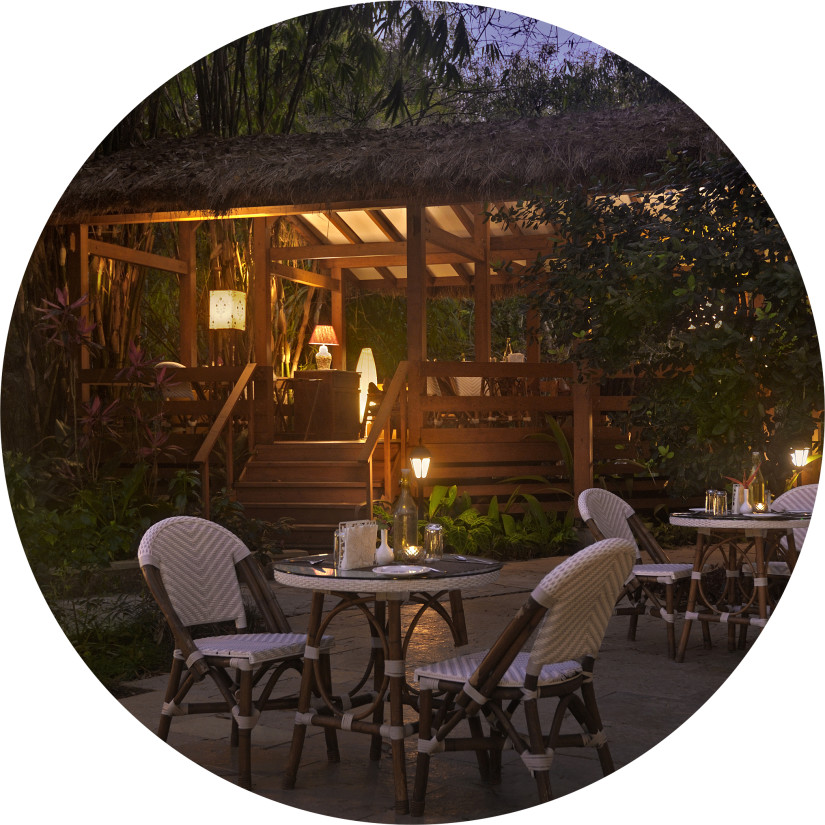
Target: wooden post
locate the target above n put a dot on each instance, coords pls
(77, 282)
(481, 288)
(416, 285)
(533, 340)
(416, 327)
(261, 319)
(339, 353)
(188, 298)
(582, 437)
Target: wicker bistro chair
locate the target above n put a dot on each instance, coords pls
(572, 604)
(194, 569)
(608, 516)
(797, 499)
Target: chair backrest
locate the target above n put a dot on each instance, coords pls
(178, 389)
(196, 559)
(800, 499)
(609, 513)
(580, 595)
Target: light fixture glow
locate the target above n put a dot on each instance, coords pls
(420, 460)
(369, 375)
(799, 458)
(323, 336)
(227, 309)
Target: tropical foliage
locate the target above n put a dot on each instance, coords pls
(696, 285)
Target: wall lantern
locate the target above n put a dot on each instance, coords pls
(227, 309)
(323, 336)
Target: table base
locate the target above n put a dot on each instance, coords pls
(364, 712)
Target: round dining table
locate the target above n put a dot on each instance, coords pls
(378, 592)
(745, 546)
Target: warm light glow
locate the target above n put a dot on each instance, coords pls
(420, 461)
(414, 552)
(366, 367)
(227, 309)
(324, 334)
(799, 458)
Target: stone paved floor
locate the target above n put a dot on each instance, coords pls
(643, 698)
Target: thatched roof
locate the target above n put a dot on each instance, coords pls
(430, 165)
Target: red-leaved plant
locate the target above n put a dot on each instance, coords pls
(746, 480)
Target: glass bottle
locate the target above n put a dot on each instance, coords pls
(508, 351)
(756, 491)
(404, 521)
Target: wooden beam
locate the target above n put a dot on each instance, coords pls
(304, 276)
(243, 212)
(349, 251)
(349, 233)
(136, 256)
(452, 243)
(464, 274)
(465, 218)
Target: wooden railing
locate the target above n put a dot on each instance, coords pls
(223, 425)
(210, 397)
(502, 430)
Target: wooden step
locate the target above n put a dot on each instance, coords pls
(310, 492)
(285, 471)
(309, 450)
(328, 512)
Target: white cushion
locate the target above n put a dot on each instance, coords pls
(460, 668)
(256, 648)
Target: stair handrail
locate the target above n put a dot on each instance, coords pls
(395, 392)
(224, 421)
(391, 395)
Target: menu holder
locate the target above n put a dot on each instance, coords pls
(358, 540)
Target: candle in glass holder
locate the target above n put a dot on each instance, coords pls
(413, 552)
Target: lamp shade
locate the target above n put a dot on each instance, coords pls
(227, 309)
(324, 334)
(366, 367)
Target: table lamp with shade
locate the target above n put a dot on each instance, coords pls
(323, 336)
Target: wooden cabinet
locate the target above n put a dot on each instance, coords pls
(326, 405)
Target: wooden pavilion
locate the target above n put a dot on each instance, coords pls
(393, 209)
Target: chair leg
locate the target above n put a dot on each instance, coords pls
(631, 629)
(594, 724)
(171, 689)
(244, 732)
(330, 734)
(422, 765)
(671, 625)
(482, 755)
(537, 747)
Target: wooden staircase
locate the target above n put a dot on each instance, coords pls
(316, 483)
